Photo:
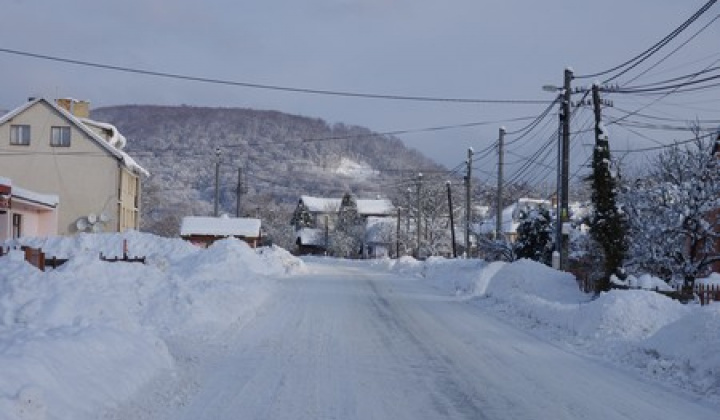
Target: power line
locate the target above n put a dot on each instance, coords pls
(268, 86)
(678, 48)
(638, 59)
(416, 130)
(676, 88)
(666, 146)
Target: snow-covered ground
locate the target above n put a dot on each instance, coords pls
(669, 341)
(85, 338)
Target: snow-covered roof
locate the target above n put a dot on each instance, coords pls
(49, 200)
(311, 236)
(119, 154)
(220, 226)
(379, 207)
(321, 205)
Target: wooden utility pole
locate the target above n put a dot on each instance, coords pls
(452, 220)
(241, 189)
(217, 183)
(397, 234)
(468, 200)
(419, 215)
(498, 214)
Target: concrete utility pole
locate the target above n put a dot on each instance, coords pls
(565, 197)
(419, 215)
(452, 220)
(217, 181)
(601, 139)
(498, 217)
(468, 200)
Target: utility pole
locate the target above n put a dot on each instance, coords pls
(601, 139)
(468, 200)
(397, 234)
(558, 193)
(241, 189)
(452, 220)
(565, 197)
(498, 217)
(419, 215)
(217, 181)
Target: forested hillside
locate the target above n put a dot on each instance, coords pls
(282, 156)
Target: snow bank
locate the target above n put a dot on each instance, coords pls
(91, 333)
(674, 342)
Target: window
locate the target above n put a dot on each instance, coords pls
(16, 225)
(20, 135)
(60, 136)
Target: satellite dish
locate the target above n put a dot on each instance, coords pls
(104, 217)
(81, 224)
(92, 218)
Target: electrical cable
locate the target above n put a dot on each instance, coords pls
(635, 61)
(678, 48)
(269, 86)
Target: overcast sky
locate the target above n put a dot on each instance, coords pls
(493, 49)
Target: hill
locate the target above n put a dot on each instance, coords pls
(282, 156)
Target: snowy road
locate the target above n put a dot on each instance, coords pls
(349, 342)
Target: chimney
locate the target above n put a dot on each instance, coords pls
(80, 109)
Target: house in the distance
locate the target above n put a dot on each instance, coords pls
(203, 231)
(52, 147)
(25, 213)
(315, 219)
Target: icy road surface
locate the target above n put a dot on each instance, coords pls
(347, 342)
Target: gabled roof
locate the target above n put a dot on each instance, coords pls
(379, 207)
(321, 205)
(220, 226)
(117, 153)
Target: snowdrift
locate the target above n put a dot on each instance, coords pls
(91, 333)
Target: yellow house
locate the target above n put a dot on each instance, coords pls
(52, 147)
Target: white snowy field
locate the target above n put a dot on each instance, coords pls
(167, 339)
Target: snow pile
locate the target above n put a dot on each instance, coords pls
(91, 333)
(645, 282)
(641, 328)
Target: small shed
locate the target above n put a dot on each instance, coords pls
(203, 231)
(26, 213)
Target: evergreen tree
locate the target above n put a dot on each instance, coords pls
(301, 217)
(534, 235)
(347, 238)
(607, 224)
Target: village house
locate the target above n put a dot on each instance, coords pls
(203, 231)
(26, 213)
(315, 218)
(511, 218)
(53, 148)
